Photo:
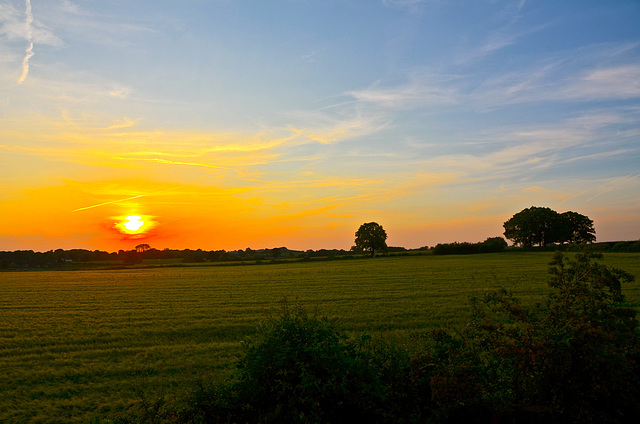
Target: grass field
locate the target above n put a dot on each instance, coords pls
(76, 344)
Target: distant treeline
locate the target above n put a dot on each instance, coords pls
(66, 258)
(498, 244)
(493, 244)
(61, 258)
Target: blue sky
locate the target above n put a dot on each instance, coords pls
(303, 119)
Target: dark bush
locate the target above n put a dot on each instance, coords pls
(303, 369)
(572, 359)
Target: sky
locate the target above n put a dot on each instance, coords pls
(227, 124)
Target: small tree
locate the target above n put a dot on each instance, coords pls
(142, 247)
(371, 237)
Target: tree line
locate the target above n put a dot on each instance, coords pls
(490, 245)
(534, 226)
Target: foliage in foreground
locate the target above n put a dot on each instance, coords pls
(573, 358)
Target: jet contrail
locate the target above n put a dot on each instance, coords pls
(29, 52)
(614, 186)
(124, 200)
(108, 203)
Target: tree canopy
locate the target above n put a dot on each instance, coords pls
(542, 226)
(371, 237)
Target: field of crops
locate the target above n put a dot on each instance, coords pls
(76, 344)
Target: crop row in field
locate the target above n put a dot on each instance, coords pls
(73, 344)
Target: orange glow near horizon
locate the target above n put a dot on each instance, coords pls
(115, 214)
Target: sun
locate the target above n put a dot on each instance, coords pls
(133, 223)
(135, 226)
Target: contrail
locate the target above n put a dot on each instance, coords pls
(124, 200)
(108, 203)
(29, 52)
(614, 186)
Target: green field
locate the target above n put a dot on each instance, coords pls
(76, 344)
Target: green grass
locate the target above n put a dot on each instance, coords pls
(75, 344)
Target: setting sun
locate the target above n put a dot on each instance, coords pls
(135, 227)
(133, 223)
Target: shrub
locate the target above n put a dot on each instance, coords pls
(299, 369)
(573, 359)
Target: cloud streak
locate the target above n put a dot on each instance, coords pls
(420, 91)
(29, 52)
(123, 200)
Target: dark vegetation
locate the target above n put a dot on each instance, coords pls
(572, 358)
(490, 245)
(544, 226)
(97, 259)
(370, 237)
(532, 226)
(88, 259)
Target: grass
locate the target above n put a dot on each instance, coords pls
(76, 344)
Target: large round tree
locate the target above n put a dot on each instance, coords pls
(543, 226)
(536, 226)
(371, 237)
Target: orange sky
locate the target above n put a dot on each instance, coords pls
(227, 125)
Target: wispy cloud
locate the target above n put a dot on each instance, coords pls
(17, 23)
(329, 127)
(120, 92)
(575, 76)
(29, 53)
(617, 82)
(171, 162)
(25, 63)
(505, 34)
(524, 152)
(422, 90)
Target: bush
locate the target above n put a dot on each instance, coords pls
(299, 369)
(572, 359)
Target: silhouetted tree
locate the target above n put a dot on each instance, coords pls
(371, 237)
(536, 225)
(580, 228)
(142, 247)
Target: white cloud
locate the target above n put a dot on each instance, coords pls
(618, 82)
(421, 91)
(560, 80)
(326, 128)
(515, 153)
(25, 64)
(29, 34)
(19, 24)
(120, 92)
